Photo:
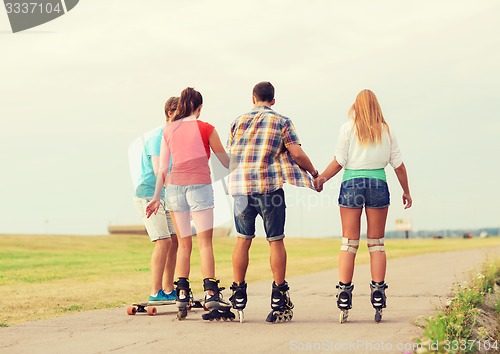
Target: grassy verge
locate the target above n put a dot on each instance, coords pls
(48, 276)
(470, 322)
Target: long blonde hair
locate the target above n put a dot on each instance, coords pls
(368, 118)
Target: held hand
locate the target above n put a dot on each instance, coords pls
(407, 202)
(152, 208)
(318, 183)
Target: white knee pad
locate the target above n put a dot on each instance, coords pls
(347, 245)
(378, 244)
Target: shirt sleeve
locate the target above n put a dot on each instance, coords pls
(289, 134)
(343, 141)
(396, 159)
(230, 137)
(152, 145)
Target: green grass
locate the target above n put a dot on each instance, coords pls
(48, 276)
(456, 329)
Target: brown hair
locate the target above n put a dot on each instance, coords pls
(171, 105)
(368, 118)
(264, 91)
(189, 102)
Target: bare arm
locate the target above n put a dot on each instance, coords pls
(332, 169)
(301, 158)
(403, 181)
(218, 148)
(161, 177)
(155, 161)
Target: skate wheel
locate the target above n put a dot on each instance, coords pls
(152, 311)
(343, 317)
(131, 310)
(181, 314)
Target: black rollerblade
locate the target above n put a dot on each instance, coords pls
(378, 298)
(344, 300)
(239, 298)
(183, 297)
(281, 304)
(219, 309)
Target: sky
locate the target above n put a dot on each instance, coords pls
(75, 92)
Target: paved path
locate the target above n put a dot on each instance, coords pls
(417, 285)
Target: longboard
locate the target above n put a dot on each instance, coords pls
(150, 307)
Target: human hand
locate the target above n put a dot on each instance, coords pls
(407, 201)
(152, 208)
(318, 183)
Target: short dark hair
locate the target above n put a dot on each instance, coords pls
(171, 105)
(264, 91)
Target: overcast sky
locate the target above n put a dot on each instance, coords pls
(76, 91)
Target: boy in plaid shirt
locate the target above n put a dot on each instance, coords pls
(265, 152)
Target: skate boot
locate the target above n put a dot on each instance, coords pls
(182, 297)
(239, 298)
(219, 309)
(378, 298)
(344, 299)
(281, 304)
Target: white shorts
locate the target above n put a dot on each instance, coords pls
(159, 226)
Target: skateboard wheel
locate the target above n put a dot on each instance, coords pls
(131, 310)
(152, 311)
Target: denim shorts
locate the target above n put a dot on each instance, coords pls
(195, 197)
(271, 207)
(364, 192)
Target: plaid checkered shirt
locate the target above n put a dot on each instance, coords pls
(260, 162)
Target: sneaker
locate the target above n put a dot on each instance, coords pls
(170, 295)
(161, 296)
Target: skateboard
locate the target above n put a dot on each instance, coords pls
(150, 307)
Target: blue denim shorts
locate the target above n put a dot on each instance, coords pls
(364, 192)
(271, 207)
(195, 197)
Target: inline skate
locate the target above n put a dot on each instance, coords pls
(344, 300)
(239, 298)
(219, 309)
(281, 304)
(378, 298)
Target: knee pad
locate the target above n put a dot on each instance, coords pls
(347, 245)
(378, 244)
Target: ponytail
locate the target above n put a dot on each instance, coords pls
(189, 102)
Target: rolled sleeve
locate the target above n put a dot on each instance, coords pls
(289, 134)
(342, 151)
(396, 159)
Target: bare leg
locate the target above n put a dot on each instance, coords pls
(241, 258)
(158, 260)
(203, 221)
(183, 226)
(351, 224)
(376, 219)
(169, 272)
(278, 261)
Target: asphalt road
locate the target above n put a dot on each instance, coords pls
(416, 286)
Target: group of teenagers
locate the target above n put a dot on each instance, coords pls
(263, 153)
